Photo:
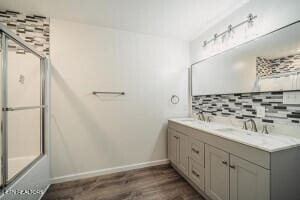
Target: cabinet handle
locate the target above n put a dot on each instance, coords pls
(196, 151)
(224, 162)
(195, 173)
(176, 137)
(232, 166)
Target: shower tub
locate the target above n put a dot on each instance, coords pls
(25, 173)
(17, 164)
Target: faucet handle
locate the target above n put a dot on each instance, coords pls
(201, 116)
(253, 125)
(208, 119)
(265, 129)
(245, 125)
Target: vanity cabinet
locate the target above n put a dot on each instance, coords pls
(221, 169)
(196, 162)
(172, 146)
(247, 180)
(231, 178)
(197, 173)
(216, 173)
(178, 150)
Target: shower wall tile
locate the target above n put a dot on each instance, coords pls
(34, 29)
(243, 106)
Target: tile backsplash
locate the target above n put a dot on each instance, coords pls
(267, 67)
(34, 29)
(243, 106)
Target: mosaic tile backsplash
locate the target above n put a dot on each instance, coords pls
(33, 29)
(266, 67)
(243, 106)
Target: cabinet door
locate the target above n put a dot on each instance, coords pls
(216, 173)
(173, 141)
(183, 153)
(248, 181)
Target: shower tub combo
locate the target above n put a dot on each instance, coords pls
(24, 119)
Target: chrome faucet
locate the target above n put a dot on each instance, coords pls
(208, 119)
(265, 129)
(201, 116)
(253, 125)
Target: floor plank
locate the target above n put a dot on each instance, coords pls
(153, 183)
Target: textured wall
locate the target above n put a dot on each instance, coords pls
(92, 133)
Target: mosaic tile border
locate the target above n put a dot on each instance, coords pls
(34, 29)
(243, 106)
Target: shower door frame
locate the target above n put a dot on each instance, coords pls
(7, 34)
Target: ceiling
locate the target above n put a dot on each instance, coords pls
(181, 19)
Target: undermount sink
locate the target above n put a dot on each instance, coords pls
(233, 131)
(187, 120)
(193, 121)
(198, 122)
(204, 124)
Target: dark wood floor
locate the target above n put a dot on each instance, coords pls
(153, 183)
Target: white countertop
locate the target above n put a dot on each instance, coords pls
(269, 143)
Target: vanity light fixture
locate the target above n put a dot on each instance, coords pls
(229, 29)
(250, 19)
(216, 36)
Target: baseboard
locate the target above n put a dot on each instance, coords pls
(100, 172)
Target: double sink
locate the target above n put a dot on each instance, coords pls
(270, 143)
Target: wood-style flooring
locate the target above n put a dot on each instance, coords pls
(152, 183)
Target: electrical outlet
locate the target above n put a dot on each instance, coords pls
(260, 111)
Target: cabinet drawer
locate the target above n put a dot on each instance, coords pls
(196, 173)
(197, 151)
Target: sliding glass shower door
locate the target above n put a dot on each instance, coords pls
(22, 108)
(24, 101)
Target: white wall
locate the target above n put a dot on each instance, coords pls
(94, 133)
(272, 14)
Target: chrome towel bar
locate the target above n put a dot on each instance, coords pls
(22, 108)
(120, 93)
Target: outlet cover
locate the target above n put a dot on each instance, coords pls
(260, 111)
(291, 97)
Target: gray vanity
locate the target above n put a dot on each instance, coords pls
(225, 163)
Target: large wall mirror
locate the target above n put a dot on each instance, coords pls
(268, 63)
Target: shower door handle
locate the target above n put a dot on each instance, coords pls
(22, 108)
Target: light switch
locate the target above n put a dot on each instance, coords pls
(260, 111)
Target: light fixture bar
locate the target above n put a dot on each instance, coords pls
(230, 28)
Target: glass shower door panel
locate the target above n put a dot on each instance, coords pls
(23, 109)
(24, 140)
(23, 77)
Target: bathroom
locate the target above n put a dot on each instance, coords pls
(140, 99)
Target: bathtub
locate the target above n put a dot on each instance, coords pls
(32, 184)
(15, 165)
